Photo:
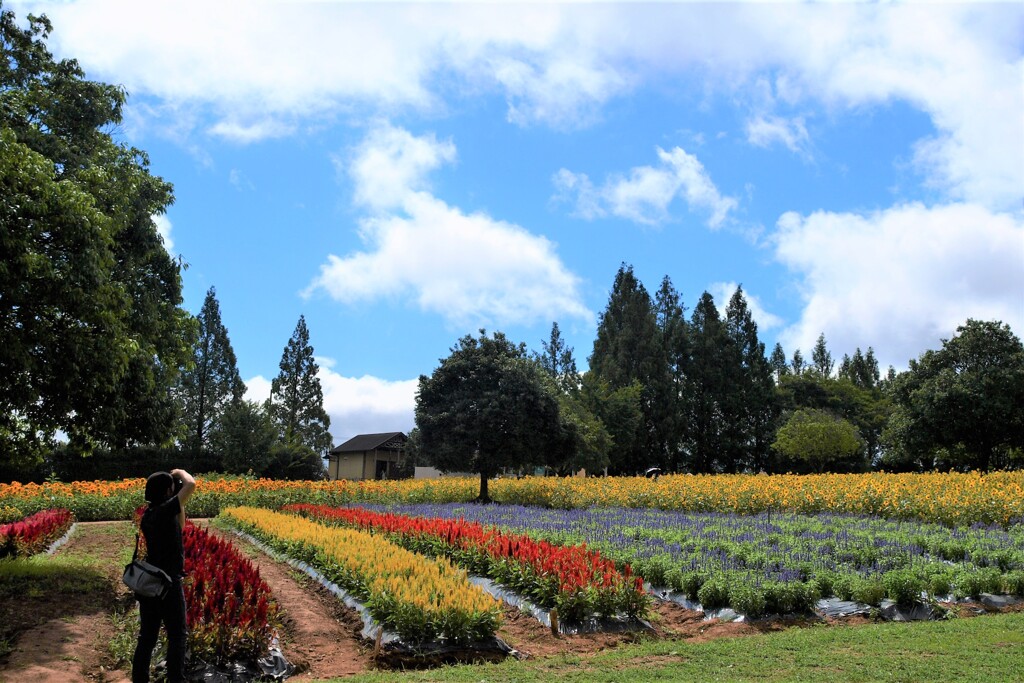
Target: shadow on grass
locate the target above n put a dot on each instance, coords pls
(43, 589)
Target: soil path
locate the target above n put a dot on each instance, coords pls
(70, 632)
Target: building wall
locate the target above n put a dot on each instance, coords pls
(348, 466)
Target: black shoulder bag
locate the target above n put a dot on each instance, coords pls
(144, 579)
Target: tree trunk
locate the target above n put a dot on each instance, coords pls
(483, 498)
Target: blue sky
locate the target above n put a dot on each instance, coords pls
(404, 174)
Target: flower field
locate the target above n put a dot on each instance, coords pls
(418, 598)
(35, 533)
(576, 581)
(953, 499)
(770, 563)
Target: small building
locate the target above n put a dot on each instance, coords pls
(367, 456)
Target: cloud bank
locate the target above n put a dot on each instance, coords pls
(898, 277)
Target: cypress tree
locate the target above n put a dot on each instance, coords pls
(669, 411)
(627, 350)
(211, 383)
(798, 365)
(296, 397)
(821, 358)
(557, 360)
(706, 387)
(778, 363)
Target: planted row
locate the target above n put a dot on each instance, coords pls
(953, 499)
(577, 581)
(420, 599)
(232, 615)
(35, 533)
(789, 561)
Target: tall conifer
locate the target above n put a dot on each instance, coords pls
(212, 383)
(706, 387)
(669, 382)
(627, 350)
(296, 397)
(752, 393)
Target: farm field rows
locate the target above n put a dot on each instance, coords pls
(404, 550)
(694, 650)
(767, 563)
(419, 598)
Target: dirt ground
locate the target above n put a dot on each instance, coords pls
(63, 638)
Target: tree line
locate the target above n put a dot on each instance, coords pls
(675, 393)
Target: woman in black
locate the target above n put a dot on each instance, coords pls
(161, 525)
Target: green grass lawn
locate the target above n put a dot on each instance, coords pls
(987, 648)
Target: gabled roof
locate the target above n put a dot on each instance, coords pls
(368, 442)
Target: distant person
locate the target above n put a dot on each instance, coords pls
(162, 522)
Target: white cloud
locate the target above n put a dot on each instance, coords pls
(257, 389)
(564, 93)
(356, 405)
(244, 133)
(163, 227)
(645, 193)
(577, 189)
(960, 64)
(724, 291)
(469, 268)
(367, 405)
(391, 164)
(765, 131)
(902, 279)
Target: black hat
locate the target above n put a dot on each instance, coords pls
(157, 485)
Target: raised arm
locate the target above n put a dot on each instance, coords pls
(188, 487)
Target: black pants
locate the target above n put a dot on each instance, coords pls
(170, 611)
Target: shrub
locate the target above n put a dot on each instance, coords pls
(1013, 582)
(790, 597)
(904, 586)
(972, 582)
(714, 593)
(747, 599)
(869, 590)
(940, 584)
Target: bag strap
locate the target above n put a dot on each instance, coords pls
(135, 553)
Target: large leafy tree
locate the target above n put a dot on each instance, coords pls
(245, 438)
(90, 300)
(619, 411)
(963, 405)
(487, 407)
(297, 398)
(211, 382)
(817, 438)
